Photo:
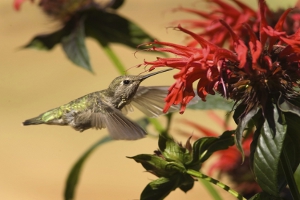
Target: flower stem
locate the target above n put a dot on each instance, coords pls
(289, 174)
(169, 118)
(216, 182)
(156, 125)
(213, 192)
(75, 172)
(114, 58)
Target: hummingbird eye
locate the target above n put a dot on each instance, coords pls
(126, 82)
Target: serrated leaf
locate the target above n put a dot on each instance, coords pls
(74, 46)
(266, 163)
(160, 188)
(74, 174)
(108, 28)
(240, 129)
(213, 102)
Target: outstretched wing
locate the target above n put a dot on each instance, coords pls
(119, 126)
(150, 100)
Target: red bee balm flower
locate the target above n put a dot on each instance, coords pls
(212, 30)
(235, 17)
(253, 74)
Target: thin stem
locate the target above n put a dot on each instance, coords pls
(157, 125)
(75, 172)
(114, 58)
(169, 118)
(213, 192)
(289, 175)
(216, 182)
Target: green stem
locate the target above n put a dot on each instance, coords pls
(289, 175)
(169, 118)
(157, 125)
(74, 174)
(216, 182)
(213, 192)
(114, 58)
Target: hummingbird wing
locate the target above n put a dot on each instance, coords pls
(127, 108)
(119, 126)
(150, 100)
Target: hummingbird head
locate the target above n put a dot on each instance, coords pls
(127, 85)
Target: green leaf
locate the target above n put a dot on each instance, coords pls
(293, 139)
(74, 46)
(289, 174)
(223, 142)
(155, 164)
(241, 127)
(115, 4)
(297, 177)
(187, 183)
(108, 28)
(204, 147)
(213, 102)
(71, 37)
(160, 188)
(152, 160)
(76, 169)
(266, 163)
(287, 106)
(290, 157)
(238, 111)
(48, 41)
(100, 24)
(172, 151)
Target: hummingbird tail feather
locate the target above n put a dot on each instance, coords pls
(33, 121)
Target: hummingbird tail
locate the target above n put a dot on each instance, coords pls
(33, 121)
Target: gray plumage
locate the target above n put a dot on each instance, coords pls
(107, 108)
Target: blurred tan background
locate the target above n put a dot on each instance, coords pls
(36, 160)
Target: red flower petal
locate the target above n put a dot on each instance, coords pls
(239, 46)
(263, 21)
(17, 4)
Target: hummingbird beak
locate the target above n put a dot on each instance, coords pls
(154, 73)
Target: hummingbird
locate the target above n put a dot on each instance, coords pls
(107, 108)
